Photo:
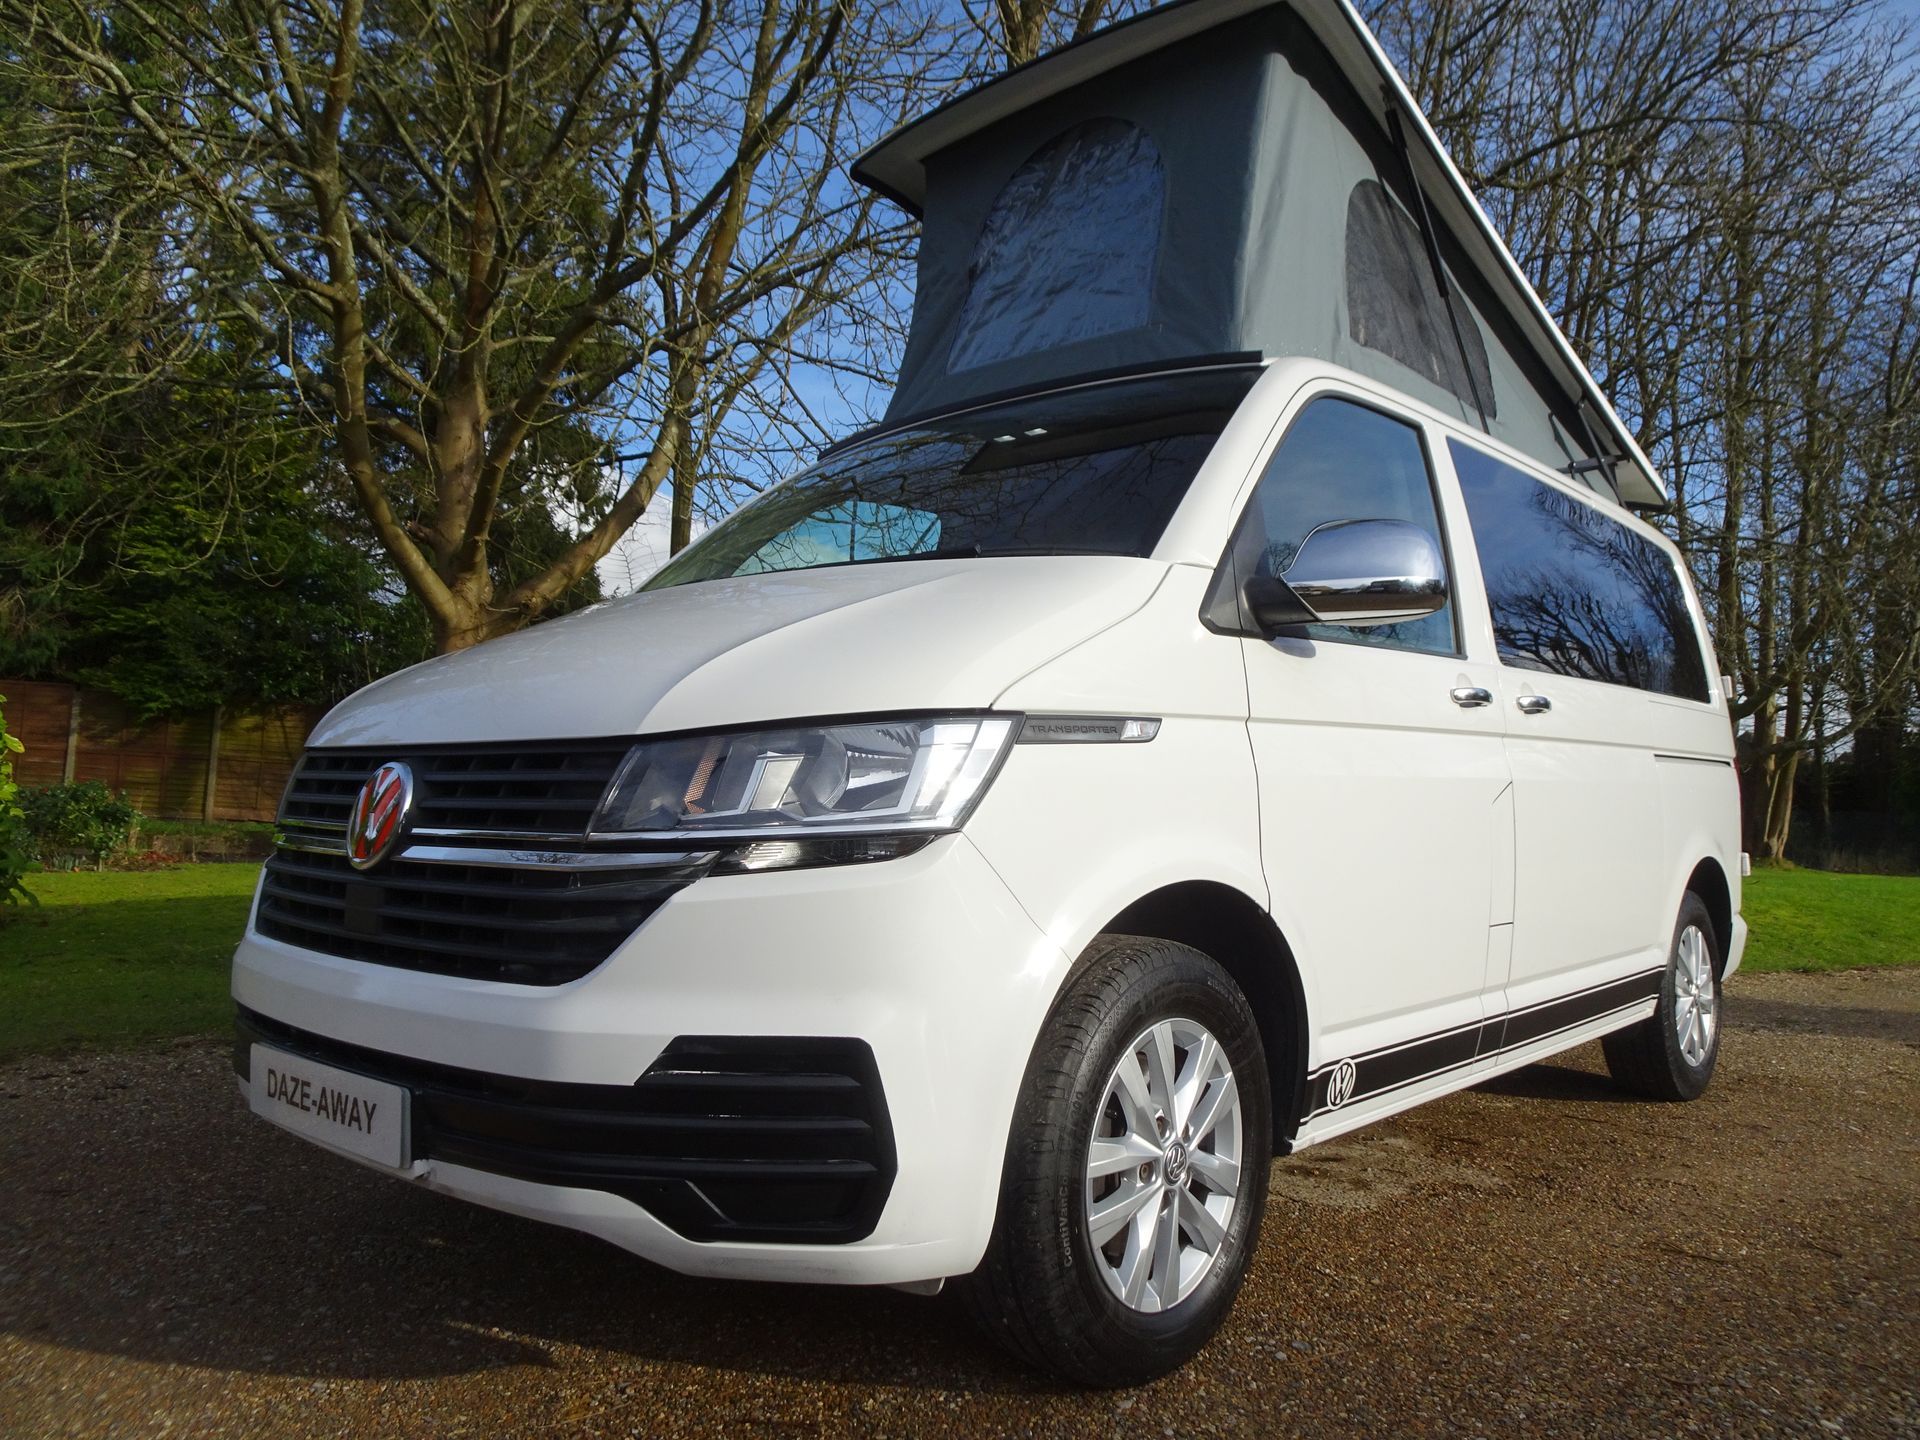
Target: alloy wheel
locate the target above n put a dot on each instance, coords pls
(1695, 1006)
(1163, 1168)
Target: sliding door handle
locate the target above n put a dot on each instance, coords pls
(1470, 697)
(1533, 704)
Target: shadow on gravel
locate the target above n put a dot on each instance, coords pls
(242, 1250)
(1558, 1082)
(1900, 1026)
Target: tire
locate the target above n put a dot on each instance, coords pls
(1671, 1054)
(1045, 1289)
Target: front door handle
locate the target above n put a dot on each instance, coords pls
(1470, 697)
(1533, 704)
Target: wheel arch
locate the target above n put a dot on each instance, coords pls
(1237, 933)
(1709, 882)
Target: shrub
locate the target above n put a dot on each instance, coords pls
(16, 846)
(84, 821)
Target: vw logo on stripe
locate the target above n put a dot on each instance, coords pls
(1340, 1084)
(379, 814)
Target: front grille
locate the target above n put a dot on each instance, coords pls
(531, 925)
(723, 1138)
(546, 789)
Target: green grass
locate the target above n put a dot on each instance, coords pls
(121, 957)
(1817, 920)
(115, 958)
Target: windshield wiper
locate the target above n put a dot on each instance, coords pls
(940, 552)
(977, 551)
(1054, 550)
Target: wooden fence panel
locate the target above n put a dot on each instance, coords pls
(37, 711)
(258, 751)
(162, 765)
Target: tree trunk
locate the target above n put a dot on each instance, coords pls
(459, 626)
(680, 526)
(459, 453)
(1779, 816)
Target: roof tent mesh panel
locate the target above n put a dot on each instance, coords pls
(1069, 248)
(1394, 307)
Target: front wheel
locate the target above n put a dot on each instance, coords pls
(1136, 1173)
(1671, 1054)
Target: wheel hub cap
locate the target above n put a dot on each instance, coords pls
(1176, 1163)
(1163, 1166)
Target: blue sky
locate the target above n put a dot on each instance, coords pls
(645, 546)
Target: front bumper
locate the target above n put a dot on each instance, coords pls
(1736, 947)
(927, 962)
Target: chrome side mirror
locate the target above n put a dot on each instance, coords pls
(1354, 572)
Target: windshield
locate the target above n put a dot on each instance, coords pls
(1094, 471)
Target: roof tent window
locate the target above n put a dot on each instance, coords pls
(1068, 250)
(1392, 305)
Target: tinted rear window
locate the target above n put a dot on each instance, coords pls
(1574, 592)
(1097, 470)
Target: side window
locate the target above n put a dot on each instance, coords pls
(1574, 592)
(1343, 461)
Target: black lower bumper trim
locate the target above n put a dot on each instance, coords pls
(743, 1138)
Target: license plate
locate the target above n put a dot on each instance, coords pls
(349, 1112)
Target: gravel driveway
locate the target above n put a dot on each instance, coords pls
(1535, 1256)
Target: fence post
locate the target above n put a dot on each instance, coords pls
(73, 737)
(213, 765)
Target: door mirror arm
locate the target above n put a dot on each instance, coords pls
(1273, 607)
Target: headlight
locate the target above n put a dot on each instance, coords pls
(845, 783)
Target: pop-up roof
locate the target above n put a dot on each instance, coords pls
(1216, 178)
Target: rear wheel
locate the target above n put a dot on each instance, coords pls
(1136, 1171)
(1671, 1054)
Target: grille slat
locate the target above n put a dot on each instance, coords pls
(540, 789)
(569, 776)
(463, 956)
(521, 926)
(491, 882)
(531, 924)
(491, 921)
(546, 801)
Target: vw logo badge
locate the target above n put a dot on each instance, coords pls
(1176, 1162)
(1340, 1084)
(379, 814)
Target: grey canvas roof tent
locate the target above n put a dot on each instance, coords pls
(1227, 178)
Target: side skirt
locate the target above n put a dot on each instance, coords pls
(1388, 1081)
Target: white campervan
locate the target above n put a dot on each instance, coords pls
(1230, 700)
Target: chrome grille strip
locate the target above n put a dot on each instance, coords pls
(504, 859)
(553, 859)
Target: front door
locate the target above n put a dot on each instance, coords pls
(1382, 779)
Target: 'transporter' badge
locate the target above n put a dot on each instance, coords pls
(379, 814)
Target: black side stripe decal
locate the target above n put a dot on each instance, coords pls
(1395, 1067)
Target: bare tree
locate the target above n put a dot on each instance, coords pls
(455, 229)
(1017, 31)
(1720, 201)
